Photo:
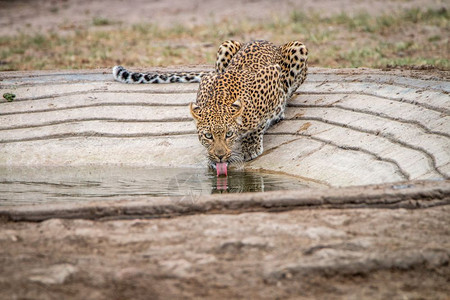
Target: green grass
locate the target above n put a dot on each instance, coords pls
(411, 37)
(99, 21)
(9, 97)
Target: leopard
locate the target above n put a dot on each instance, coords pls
(241, 99)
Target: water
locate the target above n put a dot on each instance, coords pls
(19, 186)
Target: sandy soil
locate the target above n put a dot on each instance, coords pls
(394, 245)
(306, 254)
(26, 16)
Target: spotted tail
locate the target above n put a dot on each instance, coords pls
(122, 75)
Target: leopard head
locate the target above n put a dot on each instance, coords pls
(218, 130)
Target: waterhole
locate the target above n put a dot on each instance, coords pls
(19, 186)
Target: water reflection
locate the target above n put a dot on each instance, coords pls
(44, 185)
(192, 182)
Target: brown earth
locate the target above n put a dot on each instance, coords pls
(45, 34)
(393, 244)
(332, 254)
(26, 16)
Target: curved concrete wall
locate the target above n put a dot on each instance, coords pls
(343, 127)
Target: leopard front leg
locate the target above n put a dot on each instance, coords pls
(225, 53)
(252, 145)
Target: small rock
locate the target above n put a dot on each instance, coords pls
(317, 233)
(179, 268)
(56, 274)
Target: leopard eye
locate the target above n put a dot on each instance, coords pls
(229, 134)
(208, 135)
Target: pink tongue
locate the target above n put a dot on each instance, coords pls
(221, 169)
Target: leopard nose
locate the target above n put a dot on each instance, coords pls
(220, 155)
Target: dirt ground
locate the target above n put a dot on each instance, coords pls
(321, 254)
(46, 35)
(393, 244)
(333, 254)
(23, 15)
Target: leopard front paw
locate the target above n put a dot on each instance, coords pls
(252, 151)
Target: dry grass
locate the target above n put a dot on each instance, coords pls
(412, 37)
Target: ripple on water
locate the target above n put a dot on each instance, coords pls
(33, 185)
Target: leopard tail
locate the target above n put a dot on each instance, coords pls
(123, 75)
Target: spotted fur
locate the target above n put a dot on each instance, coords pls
(245, 96)
(242, 98)
(123, 75)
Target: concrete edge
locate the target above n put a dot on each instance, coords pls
(424, 74)
(407, 195)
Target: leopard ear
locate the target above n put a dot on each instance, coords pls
(195, 111)
(237, 108)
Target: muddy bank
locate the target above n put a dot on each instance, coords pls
(325, 253)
